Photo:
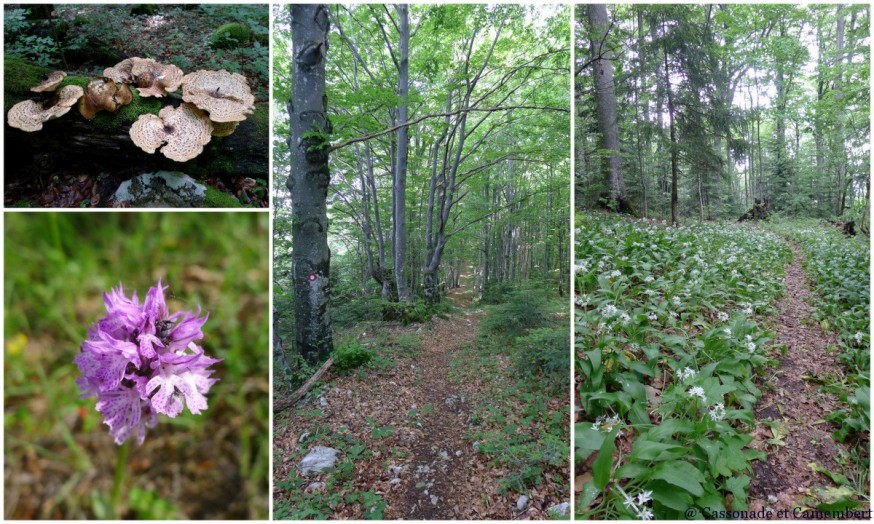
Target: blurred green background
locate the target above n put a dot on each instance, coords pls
(59, 457)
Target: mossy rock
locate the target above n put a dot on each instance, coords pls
(230, 36)
(216, 198)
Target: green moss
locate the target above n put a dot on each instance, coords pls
(81, 81)
(261, 118)
(216, 198)
(24, 203)
(230, 36)
(20, 75)
(129, 113)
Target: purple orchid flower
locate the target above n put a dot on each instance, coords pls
(139, 361)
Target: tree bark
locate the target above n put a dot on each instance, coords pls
(309, 180)
(605, 100)
(399, 189)
(675, 218)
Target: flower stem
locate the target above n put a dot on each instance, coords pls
(120, 467)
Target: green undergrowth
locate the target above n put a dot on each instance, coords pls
(220, 199)
(523, 344)
(292, 499)
(669, 342)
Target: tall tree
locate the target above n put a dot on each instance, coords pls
(309, 180)
(605, 99)
(400, 173)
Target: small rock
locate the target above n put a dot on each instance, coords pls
(458, 453)
(323, 402)
(303, 436)
(559, 510)
(434, 499)
(161, 189)
(317, 460)
(314, 487)
(522, 502)
(443, 455)
(476, 446)
(394, 481)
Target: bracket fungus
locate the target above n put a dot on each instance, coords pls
(225, 96)
(52, 81)
(30, 114)
(103, 94)
(151, 78)
(185, 130)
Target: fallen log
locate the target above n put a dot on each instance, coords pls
(279, 407)
(102, 147)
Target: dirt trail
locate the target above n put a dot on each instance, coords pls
(422, 467)
(440, 464)
(792, 410)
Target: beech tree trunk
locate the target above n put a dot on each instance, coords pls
(308, 182)
(605, 100)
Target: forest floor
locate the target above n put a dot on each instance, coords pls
(791, 427)
(405, 433)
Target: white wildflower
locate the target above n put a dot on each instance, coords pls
(751, 347)
(649, 278)
(644, 514)
(687, 373)
(727, 331)
(609, 311)
(614, 274)
(722, 316)
(717, 412)
(858, 337)
(652, 317)
(644, 496)
(625, 317)
(676, 301)
(697, 391)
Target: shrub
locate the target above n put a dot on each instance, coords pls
(230, 36)
(351, 356)
(526, 308)
(346, 312)
(545, 351)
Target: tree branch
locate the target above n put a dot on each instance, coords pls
(440, 115)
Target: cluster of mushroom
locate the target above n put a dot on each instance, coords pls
(215, 102)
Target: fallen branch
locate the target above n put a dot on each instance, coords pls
(279, 407)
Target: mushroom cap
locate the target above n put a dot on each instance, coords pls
(123, 96)
(185, 129)
(30, 114)
(120, 72)
(224, 128)
(226, 96)
(99, 95)
(153, 78)
(50, 83)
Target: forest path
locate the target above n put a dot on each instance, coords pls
(791, 427)
(412, 418)
(443, 461)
